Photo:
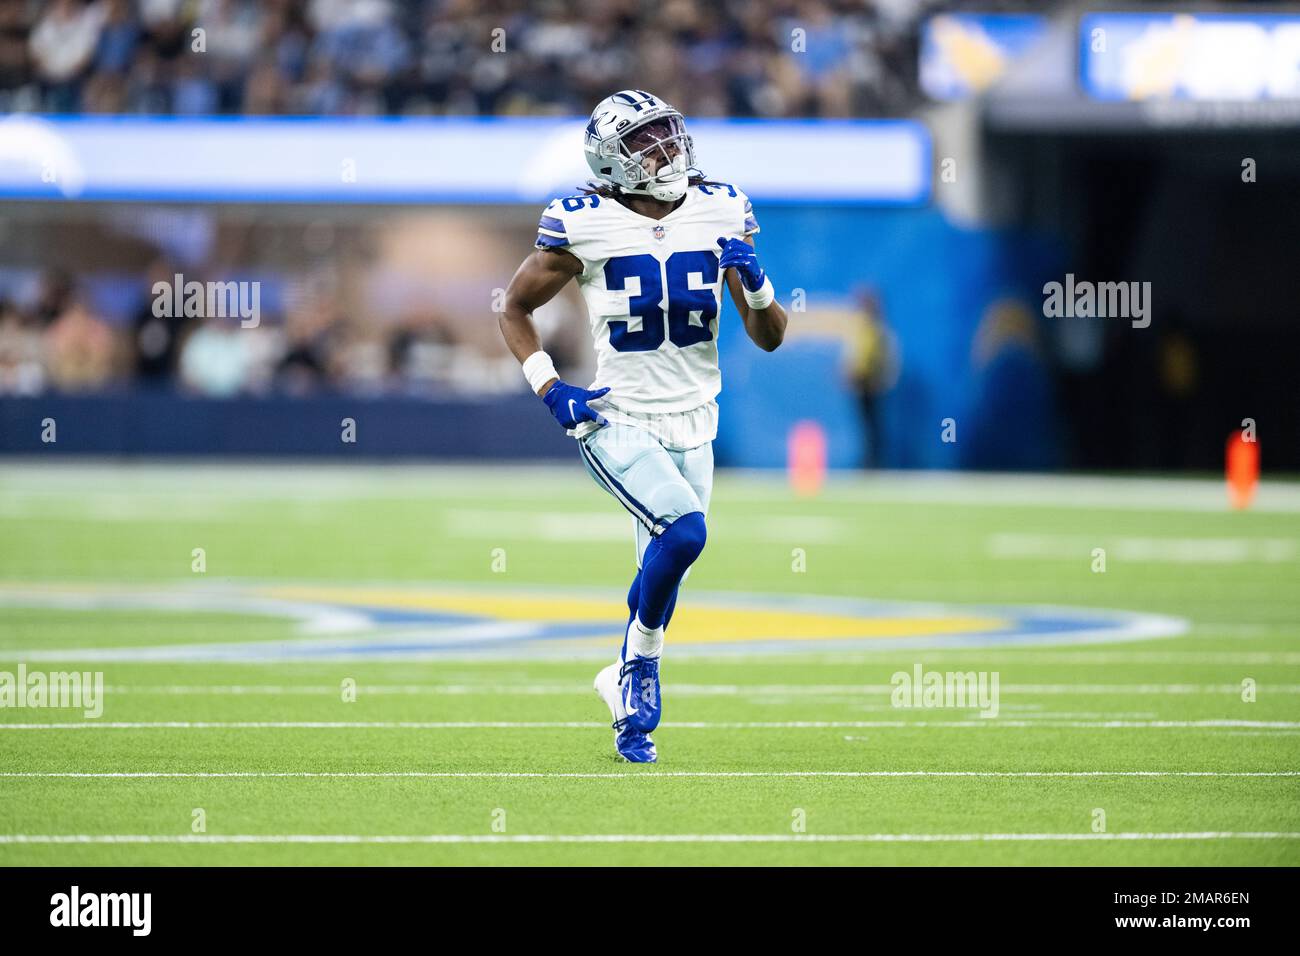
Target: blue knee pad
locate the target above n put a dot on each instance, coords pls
(666, 561)
(684, 539)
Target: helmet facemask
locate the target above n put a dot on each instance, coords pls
(657, 158)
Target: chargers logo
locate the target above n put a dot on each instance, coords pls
(397, 623)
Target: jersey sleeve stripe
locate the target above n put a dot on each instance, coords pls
(545, 241)
(551, 226)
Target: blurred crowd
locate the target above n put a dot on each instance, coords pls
(54, 338)
(61, 334)
(384, 57)
(463, 57)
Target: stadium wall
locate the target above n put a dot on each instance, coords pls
(959, 302)
(162, 424)
(964, 305)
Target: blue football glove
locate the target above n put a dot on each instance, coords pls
(568, 403)
(740, 255)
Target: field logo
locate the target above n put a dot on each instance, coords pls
(395, 622)
(84, 689)
(960, 689)
(1102, 300)
(208, 300)
(103, 909)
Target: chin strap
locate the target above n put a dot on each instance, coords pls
(683, 181)
(669, 197)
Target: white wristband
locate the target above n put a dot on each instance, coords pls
(764, 297)
(539, 369)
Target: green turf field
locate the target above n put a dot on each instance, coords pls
(225, 687)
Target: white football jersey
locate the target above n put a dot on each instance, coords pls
(653, 292)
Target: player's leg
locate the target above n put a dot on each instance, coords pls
(671, 531)
(696, 466)
(644, 477)
(665, 561)
(659, 489)
(634, 599)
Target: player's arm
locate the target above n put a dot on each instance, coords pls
(751, 290)
(537, 281)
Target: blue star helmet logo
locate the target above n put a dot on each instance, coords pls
(592, 131)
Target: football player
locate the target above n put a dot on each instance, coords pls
(650, 245)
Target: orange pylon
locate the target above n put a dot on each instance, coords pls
(806, 458)
(1242, 469)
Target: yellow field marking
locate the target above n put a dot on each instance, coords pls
(704, 623)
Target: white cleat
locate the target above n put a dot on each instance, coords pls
(606, 687)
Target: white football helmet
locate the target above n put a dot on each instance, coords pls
(638, 143)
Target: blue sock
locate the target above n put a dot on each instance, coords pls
(672, 604)
(634, 596)
(634, 599)
(663, 565)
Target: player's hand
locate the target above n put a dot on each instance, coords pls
(740, 255)
(568, 403)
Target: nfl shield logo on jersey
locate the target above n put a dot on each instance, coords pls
(659, 232)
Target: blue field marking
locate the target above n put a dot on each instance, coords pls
(352, 628)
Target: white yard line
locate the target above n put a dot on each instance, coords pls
(693, 690)
(676, 725)
(1022, 491)
(1017, 545)
(860, 657)
(570, 526)
(325, 482)
(629, 774)
(437, 838)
